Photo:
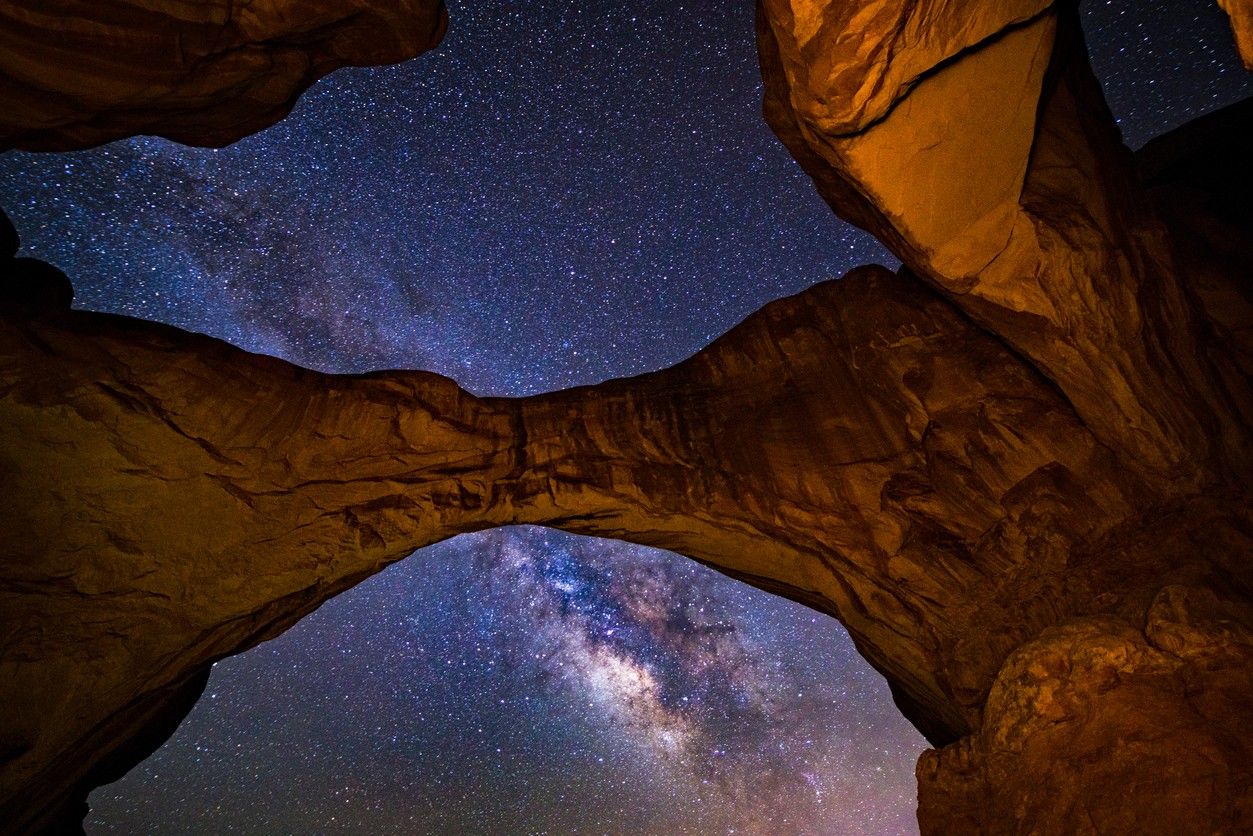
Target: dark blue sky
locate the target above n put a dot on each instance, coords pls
(563, 192)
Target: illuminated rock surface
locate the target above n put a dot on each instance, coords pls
(77, 73)
(1021, 480)
(990, 165)
(1241, 14)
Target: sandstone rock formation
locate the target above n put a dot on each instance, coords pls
(1018, 470)
(1241, 14)
(976, 143)
(78, 73)
(1098, 726)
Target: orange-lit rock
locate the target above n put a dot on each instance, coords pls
(1099, 727)
(851, 447)
(1022, 480)
(989, 163)
(77, 73)
(1241, 14)
(862, 448)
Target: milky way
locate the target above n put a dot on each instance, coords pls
(561, 193)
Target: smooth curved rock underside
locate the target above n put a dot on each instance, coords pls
(78, 73)
(1017, 470)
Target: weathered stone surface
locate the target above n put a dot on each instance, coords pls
(1241, 14)
(77, 73)
(1022, 480)
(992, 168)
(204, 498)
(862, 448)
(990, 165)
(1099, 727)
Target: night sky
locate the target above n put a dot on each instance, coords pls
(561, 193)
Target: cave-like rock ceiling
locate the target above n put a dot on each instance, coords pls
(1017, 470)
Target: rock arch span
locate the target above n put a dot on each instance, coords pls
(1017, 470)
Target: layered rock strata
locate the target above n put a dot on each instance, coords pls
(78, 73)
(1018, 471)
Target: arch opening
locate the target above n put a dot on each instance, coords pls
(327, 306)
(523, 680)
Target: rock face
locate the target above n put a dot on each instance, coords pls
(78, 73)
(1199, 185)
(1241, 14)
(1099, 727)
(862, 448)
(975, 142)
(1018, 470)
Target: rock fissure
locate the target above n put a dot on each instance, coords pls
(903, 89)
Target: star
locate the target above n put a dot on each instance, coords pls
(560, 194)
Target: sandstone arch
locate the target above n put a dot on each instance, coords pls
(1018, 470)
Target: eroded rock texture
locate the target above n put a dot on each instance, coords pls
(1096, 726)
(861, 447)
(77, 73)
(1018, 470)
(974, 140)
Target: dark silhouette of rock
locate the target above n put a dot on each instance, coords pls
(10, 243)
(33, 286)
(1199, 183)
(78, 73)
(1018, 470)
(28, 285)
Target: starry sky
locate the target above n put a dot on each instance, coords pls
(561, 193)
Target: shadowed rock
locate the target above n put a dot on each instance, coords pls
(10, 243)
(27, 285)
(1018, 471)
(1199, 184)
(78, 73)
(33, 286)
